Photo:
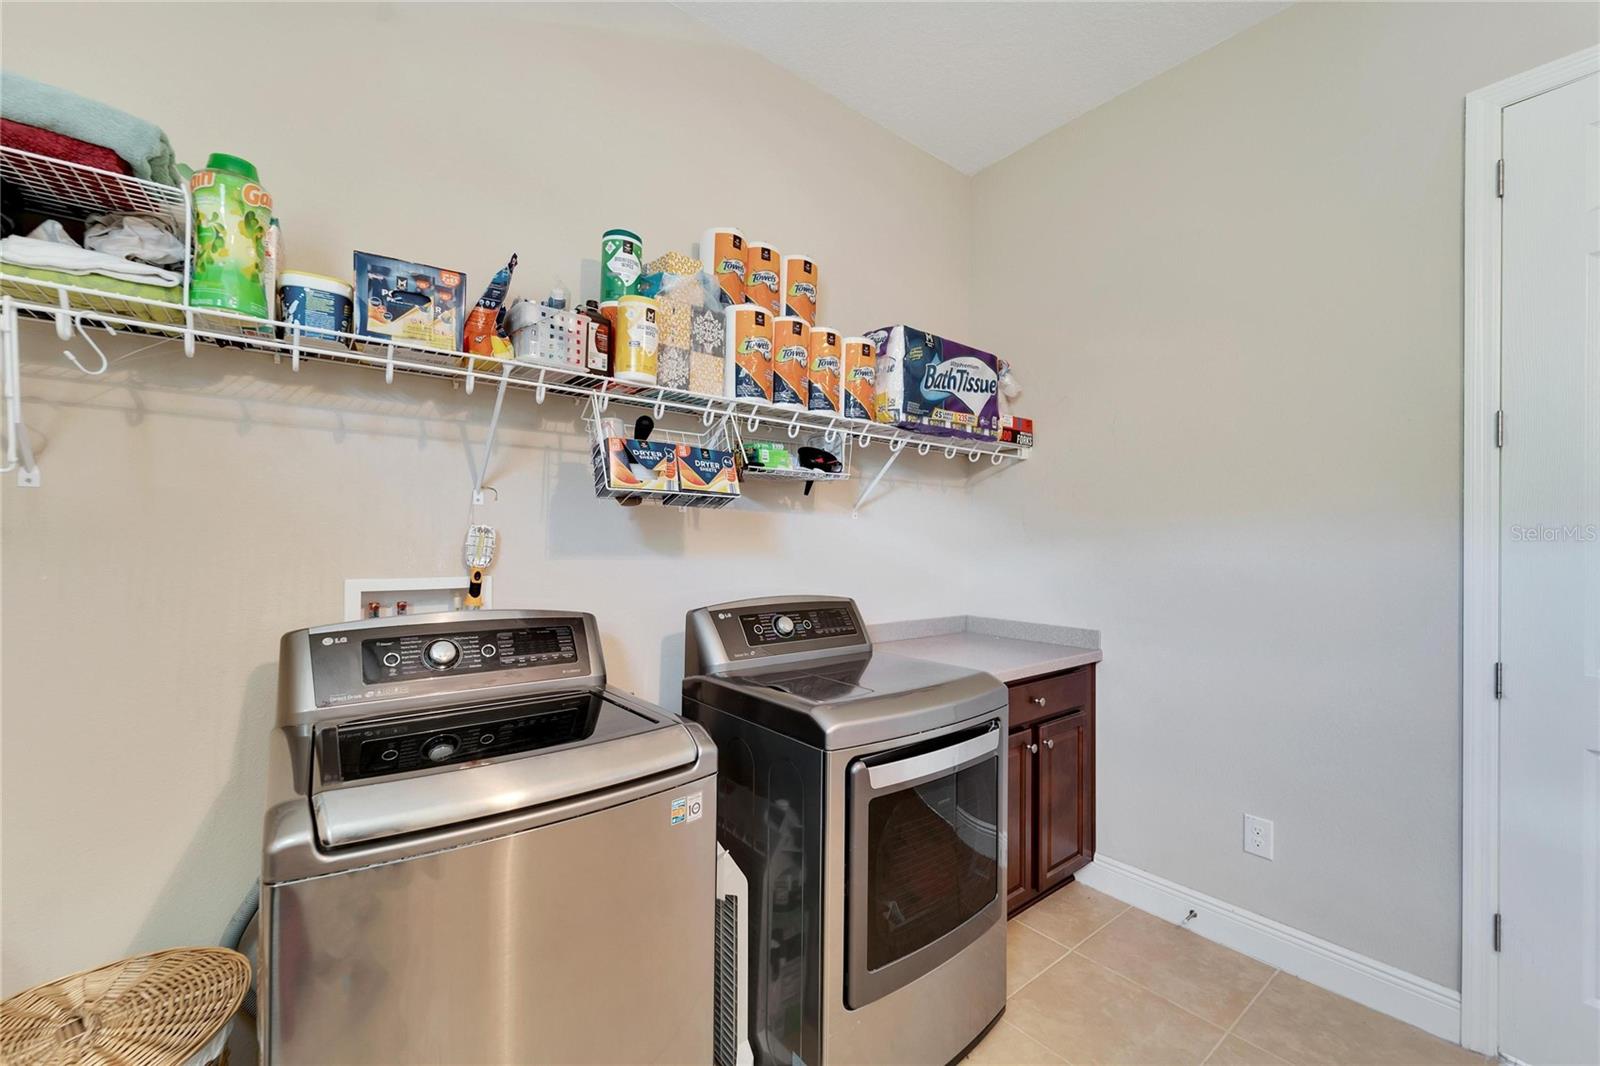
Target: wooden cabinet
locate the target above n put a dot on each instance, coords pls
(1019, 816)
(1050, 783)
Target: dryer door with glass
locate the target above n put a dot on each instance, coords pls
(923, 862)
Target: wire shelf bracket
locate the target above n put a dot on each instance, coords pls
(478, 487)
(894, 453)
(19, 449)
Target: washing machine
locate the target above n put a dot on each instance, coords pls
(862, 794)
(476, 852)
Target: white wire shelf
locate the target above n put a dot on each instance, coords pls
(840, 448)
(794, 473)
(63, 190)
(74, 307)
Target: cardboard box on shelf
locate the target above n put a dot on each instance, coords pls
(934, 385)
(412, 302)
(1015, 430)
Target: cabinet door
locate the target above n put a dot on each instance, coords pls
(1066, 797)
(1019, 818)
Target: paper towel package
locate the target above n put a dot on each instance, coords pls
(935, 385)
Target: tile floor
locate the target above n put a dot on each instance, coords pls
(1089, 979)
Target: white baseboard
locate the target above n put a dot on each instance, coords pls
(1412, 999)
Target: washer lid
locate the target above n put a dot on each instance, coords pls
(385, 777)
(851, 700)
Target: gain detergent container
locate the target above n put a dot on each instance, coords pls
(232, 215)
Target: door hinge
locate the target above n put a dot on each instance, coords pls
(1499, 429)
(1499, 680)
(1497, 932)
(1500, 177)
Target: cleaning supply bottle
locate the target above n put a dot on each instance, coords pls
(232, 219)
(597, 347)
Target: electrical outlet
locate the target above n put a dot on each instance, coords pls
(1258, 836)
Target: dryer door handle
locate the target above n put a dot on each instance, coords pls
(930, 764)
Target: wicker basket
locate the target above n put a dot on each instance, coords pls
(149, 1010)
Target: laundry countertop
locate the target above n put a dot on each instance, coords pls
(1007, 649)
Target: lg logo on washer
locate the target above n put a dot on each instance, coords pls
(330, 641)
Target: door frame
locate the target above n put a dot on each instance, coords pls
(1480, 524)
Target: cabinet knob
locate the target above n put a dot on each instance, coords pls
(1033, 749)
(1038, 701)
(1049, 743)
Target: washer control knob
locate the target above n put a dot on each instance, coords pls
(784, 625)
(441, 654)
(441, 748)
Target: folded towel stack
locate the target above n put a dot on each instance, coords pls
(69, 258)
(44, 142)
(140, 144)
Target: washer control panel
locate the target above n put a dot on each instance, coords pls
(410, 656)
(375, 749)
(446, 655)
(797, 623)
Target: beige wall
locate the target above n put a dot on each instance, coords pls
(192, 512)
(1246, 367)
(1253, 334)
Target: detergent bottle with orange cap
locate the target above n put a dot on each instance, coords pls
(232, 217)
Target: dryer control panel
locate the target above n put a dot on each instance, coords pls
(766, 630)
(795, 623)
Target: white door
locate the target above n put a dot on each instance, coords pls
(1550, 578)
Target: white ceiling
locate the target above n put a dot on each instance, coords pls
(970, 83)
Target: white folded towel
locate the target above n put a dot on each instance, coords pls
(70, 259)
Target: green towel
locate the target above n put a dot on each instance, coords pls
(143, 145)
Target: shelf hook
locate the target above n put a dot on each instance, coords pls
(794, 426)
(974, 455)
(538, 390)
(924, 448)
(863, 439)
(950, 452)
(754, 420)
(833, 430)
(604, 397)
(104, 362)
(294, 349)
(995, 458)
(707, 415)
(659, 409)
(388, 364)
(472, 377)
(188, 334)
(897, 444)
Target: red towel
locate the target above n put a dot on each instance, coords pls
(44, 142)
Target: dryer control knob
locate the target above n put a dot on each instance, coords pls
(784, 625)
(441, 653)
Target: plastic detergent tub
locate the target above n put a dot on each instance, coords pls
(321, 304)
